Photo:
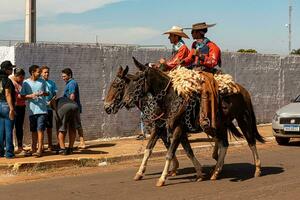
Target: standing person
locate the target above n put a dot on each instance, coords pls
(71, 91)
(7, 67)
(17, 79)
(7, 111)
(52, 90)
(204, 54)
(34, 90)
(179, 50)
(67, 117)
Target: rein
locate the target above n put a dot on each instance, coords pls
(149, 109)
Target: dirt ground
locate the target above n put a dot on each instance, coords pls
(8, 177)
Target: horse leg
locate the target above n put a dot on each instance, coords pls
(215, 153)
(147, 153)
(175, 163)
(170, 155)
(189, 151)
(244, 122)
(222, 145)
(256, 161)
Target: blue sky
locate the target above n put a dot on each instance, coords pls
(258, 24)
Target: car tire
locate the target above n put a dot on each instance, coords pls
(282, 140)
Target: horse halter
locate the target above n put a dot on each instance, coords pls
(148, 109)
(119, 84)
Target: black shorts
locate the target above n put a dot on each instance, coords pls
(49, 119)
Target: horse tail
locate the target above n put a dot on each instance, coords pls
(258, 137)
(235, 132)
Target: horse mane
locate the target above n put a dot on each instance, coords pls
(161, 73)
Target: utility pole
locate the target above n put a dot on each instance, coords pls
(30, 21)
(290, 26)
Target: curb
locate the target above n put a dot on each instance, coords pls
(94, 162)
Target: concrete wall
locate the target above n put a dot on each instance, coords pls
(7, 53)
(272, 80)
(93, 67)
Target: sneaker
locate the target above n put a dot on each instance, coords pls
(10, 157)
(37, 154)
(69, 151)
(140, 137)
(62, 152)
(24, 153)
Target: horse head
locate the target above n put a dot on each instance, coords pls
(146, 80)
(113, 100)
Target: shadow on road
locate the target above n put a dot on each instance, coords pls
(101, 145)
(235, 172)
(294, 144)
(89, 151)
(244, 171)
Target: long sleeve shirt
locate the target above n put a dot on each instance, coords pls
(178, 54)
(210, 59)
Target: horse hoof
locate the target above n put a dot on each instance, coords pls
(160, 183)
(213, 177)
(172, 173)
(138, 177)
(199, 179)
(257, 173)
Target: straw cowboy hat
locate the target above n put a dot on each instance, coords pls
(200, 26)
(176, 30)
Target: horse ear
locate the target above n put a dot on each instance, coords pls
(139, 65)
(120, 71)
(125, 71)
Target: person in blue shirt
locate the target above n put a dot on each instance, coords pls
(34, 90)
(71, 91)
(52, 90)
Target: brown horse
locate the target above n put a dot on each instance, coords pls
(114, 101)
(237, 107)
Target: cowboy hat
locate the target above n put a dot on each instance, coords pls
(200, 26)
(176, 30)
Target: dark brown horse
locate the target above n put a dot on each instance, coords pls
(237, 107)
(114, 101)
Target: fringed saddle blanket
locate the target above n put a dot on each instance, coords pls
(186, 82)
(226, 85)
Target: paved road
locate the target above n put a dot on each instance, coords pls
(280, 180)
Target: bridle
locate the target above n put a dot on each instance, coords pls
(119, 84)
(139, 92)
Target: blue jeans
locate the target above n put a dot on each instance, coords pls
(6, 131)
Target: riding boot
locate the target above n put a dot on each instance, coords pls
(204, 112)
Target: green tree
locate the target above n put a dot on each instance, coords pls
(247, 51)
(295, 52)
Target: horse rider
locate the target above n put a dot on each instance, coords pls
(204, 56)
(179, 49)
(204, 53)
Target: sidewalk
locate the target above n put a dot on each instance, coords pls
(101, 153)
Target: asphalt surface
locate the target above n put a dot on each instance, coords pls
(280, 179)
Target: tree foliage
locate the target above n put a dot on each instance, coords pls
(247, 51)
(295, 52)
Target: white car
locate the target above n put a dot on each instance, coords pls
(286, 122)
